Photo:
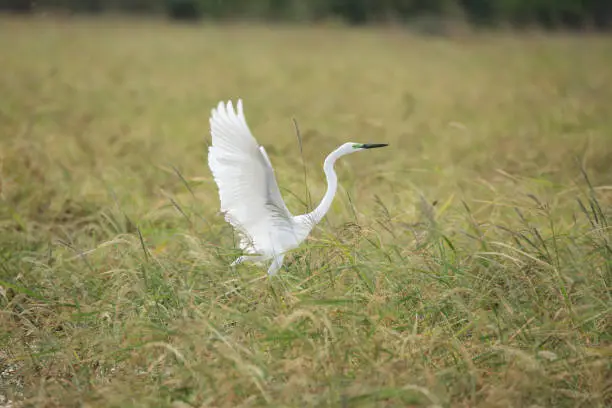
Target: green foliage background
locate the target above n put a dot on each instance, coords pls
(546, 13)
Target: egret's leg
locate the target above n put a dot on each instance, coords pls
(276, 265)
(247, 258)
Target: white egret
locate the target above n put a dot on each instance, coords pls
(249, 194)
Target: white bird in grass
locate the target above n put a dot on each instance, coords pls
(249, 194)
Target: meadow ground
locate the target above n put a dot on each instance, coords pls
(469, 264)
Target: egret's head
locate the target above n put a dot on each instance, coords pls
(351, 147)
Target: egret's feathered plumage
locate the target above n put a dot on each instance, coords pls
(249, 194)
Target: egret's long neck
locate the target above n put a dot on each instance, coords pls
(332, 185)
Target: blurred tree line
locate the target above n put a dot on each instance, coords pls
(547, 13)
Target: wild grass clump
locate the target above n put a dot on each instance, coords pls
(470, 264)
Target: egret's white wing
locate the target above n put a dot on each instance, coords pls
(248, 191)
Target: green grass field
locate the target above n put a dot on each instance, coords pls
(467, 265)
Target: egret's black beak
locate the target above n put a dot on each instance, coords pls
(373, 145)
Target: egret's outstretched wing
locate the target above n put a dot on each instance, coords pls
(248, 191)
